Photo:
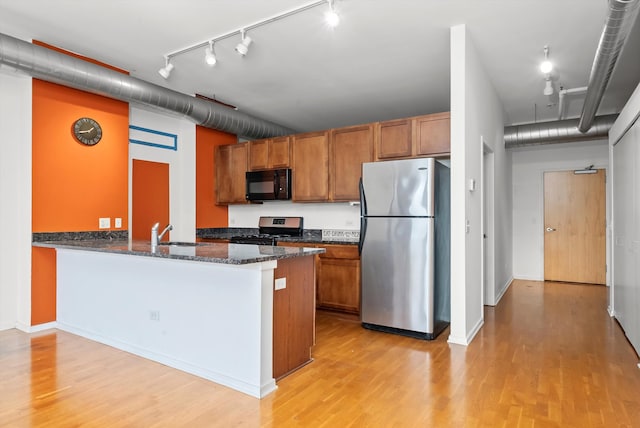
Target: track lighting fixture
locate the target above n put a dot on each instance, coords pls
(331, 17)
(209, 55)
(546, 66)
(166, 70)
(243, 47)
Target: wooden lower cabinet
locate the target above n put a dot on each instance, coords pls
(293, 315)
(337, 277)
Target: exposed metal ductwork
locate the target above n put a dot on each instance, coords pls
(56, 67)
(561, 131)
(622, 14)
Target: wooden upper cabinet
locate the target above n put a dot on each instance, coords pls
(258, 155)
(394, 139)
(279, 149)
(269, 153)
(310, 166)
(427, 135)
(433, 135)
(231, 167)
(349, 149)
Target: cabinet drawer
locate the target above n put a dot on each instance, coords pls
(335, 251)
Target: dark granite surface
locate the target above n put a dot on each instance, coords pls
(311, 236)
(111, 235)
(235, 254)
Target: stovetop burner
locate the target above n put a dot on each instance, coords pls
(270, 229)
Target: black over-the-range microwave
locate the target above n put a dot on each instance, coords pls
(269, 185)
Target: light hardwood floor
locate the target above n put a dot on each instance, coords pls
(548, 356)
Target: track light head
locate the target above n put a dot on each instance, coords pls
(166, 70)
(331, 17)
(243, 47)
(210, 56)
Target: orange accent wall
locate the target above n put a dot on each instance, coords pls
(208, 214)
(73, 184)
(43, 285)
(149, 198)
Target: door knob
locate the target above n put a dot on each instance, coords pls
(550, 229)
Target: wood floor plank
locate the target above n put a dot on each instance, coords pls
(547, 356)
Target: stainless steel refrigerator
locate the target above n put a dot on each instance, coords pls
(405, 246)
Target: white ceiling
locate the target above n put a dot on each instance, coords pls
(387, 59)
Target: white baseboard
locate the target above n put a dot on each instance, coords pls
(465, 341)
(504, 289)
(527, 278)
(40, 327)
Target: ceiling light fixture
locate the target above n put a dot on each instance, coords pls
(209, 55)
(243, 47)
(546, 66)
(166, 70)
(331, 16)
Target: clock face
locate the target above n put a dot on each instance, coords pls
(87, 131)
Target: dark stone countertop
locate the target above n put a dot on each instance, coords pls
(234, 254)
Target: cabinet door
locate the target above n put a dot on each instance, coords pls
(350, 147)
(231, 167)
(339, 285)
(394, 139)
(433, 135)
(258, 155)
(279, 152)
(311, 167)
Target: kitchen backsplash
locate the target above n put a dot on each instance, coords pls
(340, 235)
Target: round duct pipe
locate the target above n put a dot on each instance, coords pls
(56, 67)
(561, 131)
(622, 14)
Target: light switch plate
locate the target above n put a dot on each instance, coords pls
(104, 222)
(281, 283)
(118, 222)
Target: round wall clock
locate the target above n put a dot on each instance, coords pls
(87, 131)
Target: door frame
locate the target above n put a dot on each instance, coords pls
(487, 221)
(607, 197)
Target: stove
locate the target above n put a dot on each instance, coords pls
(270, 229)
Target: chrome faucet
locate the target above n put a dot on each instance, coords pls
(155, 238)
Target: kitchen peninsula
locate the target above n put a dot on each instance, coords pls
(210, 309)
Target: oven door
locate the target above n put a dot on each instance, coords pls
(269, 185)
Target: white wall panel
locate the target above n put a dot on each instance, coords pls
(15, 194)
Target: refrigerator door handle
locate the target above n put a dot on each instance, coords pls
(363, 232)
(363, 200)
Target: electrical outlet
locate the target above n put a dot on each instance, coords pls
(154, 315)
(104, 222)
(118, 222)
(281, 283)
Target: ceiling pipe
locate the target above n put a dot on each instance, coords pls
(561, 131)
(620, 19)
(56, 67)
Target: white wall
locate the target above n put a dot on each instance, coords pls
(476, 117)
(182, 171)
(342, 216)
(529, 165)
(15, 194)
